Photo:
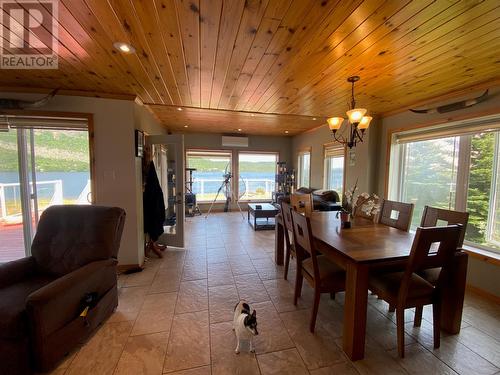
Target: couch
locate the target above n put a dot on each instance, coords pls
(323, 200)
(74, 253)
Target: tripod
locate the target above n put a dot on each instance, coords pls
(226, 185)
(192, 208)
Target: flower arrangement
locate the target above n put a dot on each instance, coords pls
(368, 204)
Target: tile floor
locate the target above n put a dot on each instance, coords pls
(175, 318)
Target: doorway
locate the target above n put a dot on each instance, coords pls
(43, 162)
(168, 157)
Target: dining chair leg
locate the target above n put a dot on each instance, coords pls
(392, 308)
(436, 322)
(314, 314)
(287, 261)
(400, 326)
(417, 321)
(298, 286)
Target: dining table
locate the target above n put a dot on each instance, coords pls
(367, 247)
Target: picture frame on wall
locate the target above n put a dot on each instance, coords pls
(139, 143)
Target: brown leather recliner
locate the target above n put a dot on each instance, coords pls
(73, 253)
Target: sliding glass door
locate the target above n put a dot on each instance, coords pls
(39, 167)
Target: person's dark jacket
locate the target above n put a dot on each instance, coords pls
(153, 204)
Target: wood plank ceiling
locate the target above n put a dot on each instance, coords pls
(289, 58)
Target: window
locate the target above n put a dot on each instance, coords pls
(257, 173)
(334, 169)
(211, 166)
(453, 166)
(304, 169)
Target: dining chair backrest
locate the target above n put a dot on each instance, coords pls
(302, 203)
(433, 215)
(421, 257)
(303, 239)
(366, 206)
(286, 211)
(396, 214)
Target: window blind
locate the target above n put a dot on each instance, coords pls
(334, 151)
(457, 128)
(53, 123)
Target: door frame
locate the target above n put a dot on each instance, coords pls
(177, 140)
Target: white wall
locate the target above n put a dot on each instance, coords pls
(118, 177)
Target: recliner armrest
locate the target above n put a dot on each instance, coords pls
(59, 302)
(15, 271)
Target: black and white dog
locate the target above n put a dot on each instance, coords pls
(244, 325)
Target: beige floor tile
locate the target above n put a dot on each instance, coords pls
(194, 271)
(156, 314)
(165, 282)
(481, 343)
(383, 330)
(377, 360)
(101, 354)
(219, 274)
(340, 369)
(318, 349)
(143, 278)
(204, 370)
(143, 355)
(224, 360)
(281, 293)
(189, 344)
(250, 288)
(286, 362)
(241, 264)
(273, 335)
(456, 355)
(193, 296)
(130, 301)
(221, 302)
(418, 360)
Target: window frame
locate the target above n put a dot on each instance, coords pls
(207, 152)
(237, 174)
(395, 162)
(301, 153)
(336, 147)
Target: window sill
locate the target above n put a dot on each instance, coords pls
(483, 255)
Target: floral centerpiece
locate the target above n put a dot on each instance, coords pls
(364, 204)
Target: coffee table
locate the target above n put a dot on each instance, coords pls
(266, 211)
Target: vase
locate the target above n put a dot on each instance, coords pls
(345, 220)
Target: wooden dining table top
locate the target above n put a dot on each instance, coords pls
(365, 241)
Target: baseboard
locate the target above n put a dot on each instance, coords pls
(483, 293)
(125, 267)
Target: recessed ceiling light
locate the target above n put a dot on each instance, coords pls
(286, 132)
(314, 118)
(124, 47)
(179, 108)
(239, 130)
(186, 126)
(253, 114)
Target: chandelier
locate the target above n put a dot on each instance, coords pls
(358, 122)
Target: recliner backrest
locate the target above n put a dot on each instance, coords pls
(71, 236)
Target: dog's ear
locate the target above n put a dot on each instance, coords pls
(254, 314)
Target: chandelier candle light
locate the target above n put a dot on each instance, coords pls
(357, 120)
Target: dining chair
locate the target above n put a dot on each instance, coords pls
(431, 217)
(302, 203)
(407, 289)
(366, 206)
(322, 275)
(396, 214)
(286, 212)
